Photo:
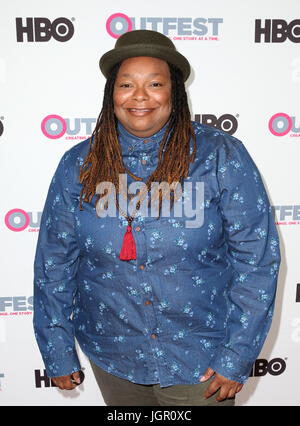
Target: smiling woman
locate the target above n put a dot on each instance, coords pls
(142, 95)
(167, 314)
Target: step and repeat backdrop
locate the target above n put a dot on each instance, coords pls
(245, 57)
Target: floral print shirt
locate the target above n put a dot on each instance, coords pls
(196, 296)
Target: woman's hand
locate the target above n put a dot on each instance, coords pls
(65, 382)
(228, 388)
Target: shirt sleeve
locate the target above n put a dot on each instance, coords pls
(254, 254)
(55, 267)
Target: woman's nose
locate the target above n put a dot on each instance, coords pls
(140, 94)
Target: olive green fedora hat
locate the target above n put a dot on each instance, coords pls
(144, 43)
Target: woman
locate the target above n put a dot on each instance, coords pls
(170, 311)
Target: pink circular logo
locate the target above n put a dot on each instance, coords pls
(115, 19)
(281, 117)
(60, 124)
(10, 220)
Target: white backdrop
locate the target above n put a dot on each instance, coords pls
(49, 67)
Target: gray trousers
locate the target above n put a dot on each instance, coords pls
(120, 392)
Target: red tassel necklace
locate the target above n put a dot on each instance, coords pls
(128, 250)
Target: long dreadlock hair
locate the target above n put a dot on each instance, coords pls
(104, 161)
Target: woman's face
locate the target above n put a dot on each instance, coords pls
(142, 95)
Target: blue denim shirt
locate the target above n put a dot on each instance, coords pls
(194, 297)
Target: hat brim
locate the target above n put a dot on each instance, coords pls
(112, 57)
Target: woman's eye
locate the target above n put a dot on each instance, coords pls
(125, 85)
(156, 84)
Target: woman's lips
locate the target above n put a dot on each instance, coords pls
(139, 112)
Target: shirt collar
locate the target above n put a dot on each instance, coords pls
(130, 142)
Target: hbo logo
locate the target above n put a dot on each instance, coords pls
(261, 367)
(226, 122)
(41, 29)
(277, 30)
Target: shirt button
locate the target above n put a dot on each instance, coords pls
(153, 336)
(146, 140)
(137, 229)
(144, 162)
(147, 303)
(130, 148)
(142, 266)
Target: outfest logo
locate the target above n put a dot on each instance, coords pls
(286, 214)
(18, 220)
(282, 124)
(176, 28)
(16, 305)
(54, 126)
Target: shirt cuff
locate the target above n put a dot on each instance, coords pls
(230, 365)
(62, 366)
